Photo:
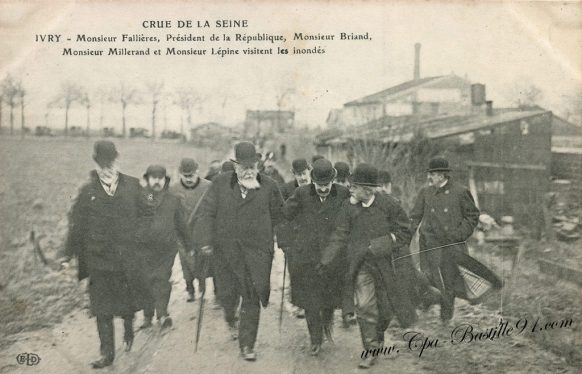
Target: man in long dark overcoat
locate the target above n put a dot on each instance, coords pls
(101, 235)
(237, 217)
(447, 216)
(161, 224)
(314, 207)
(374, 227)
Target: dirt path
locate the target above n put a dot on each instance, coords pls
(70, 346)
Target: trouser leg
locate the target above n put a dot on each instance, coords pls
(314, 325)
(128, 327)
(162, 287)
(348, 306)
(367, 310)
(186, 263)
(106, 335)
(249, 319)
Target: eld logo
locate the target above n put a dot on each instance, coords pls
(29, 359)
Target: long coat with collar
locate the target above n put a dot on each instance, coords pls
(384, 222)
(241, 232)
(447, 217)
(101, 235)
(315, 223)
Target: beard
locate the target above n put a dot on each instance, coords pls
(248, 179)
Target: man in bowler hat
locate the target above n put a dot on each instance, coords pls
(237, 217)
(161, 223)
(374, 227)
(314, 208)
(447, 216)
(189, 189)
(101, 235)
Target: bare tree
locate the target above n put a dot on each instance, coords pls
(125, 95)
(187, 99)
(69, 94)
(155, 90)
(21, 94)
(526, 95)
(10, 91)
(86, 102)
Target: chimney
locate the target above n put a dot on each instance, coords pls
(417, 61)
(489, 108)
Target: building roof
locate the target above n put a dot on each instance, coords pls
(382, 95)
(402, 129)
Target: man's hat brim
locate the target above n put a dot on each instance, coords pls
(437, 169)
(352, 181)
(326, 180)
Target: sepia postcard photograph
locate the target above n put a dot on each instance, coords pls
(256, 186)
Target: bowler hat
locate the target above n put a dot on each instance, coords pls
(438, 164)
(365, 175)
(104, 152)
(343, 170)
(188, 166)
(384, 177)
(323, 172)
(245, 154)
(299, 165)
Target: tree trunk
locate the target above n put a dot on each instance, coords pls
(11, 103)
(88, 121)
(22, 116)
(67, 119)
(123, 106)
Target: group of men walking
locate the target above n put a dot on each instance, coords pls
(345, 238)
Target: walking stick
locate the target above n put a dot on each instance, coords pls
(282, 293)
(201, 308)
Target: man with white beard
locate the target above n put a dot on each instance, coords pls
(235, 226)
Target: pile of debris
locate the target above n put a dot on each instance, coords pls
(566, 210)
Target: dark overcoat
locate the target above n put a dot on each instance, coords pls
(315, 221)
(288, 229)
(241, 232)
(447, 217)
(384, 221)
(101, 235)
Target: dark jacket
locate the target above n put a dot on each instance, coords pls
(102, 227)
(240, 230)
(447, 217)
(315, 222)
(357, 227)
(288, 229)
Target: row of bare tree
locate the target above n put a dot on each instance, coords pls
(70, 94)
(12, 93)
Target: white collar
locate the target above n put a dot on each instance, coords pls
(367, 205)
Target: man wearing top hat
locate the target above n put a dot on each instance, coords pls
(375, 230)
(189, 189)
(237, 217)
(314, 208)
(101, 235)
(447, 216)
(161, 224)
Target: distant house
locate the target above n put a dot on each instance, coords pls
(267, 122)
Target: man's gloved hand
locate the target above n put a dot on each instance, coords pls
(207, 250)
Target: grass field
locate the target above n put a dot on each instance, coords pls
(38, 180)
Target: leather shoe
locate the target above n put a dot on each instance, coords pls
(166, 322)
(147, 323)
(102, 362)
(248, 354)
(367, 362)
(315, 349)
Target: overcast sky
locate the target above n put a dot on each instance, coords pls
(498, 44)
